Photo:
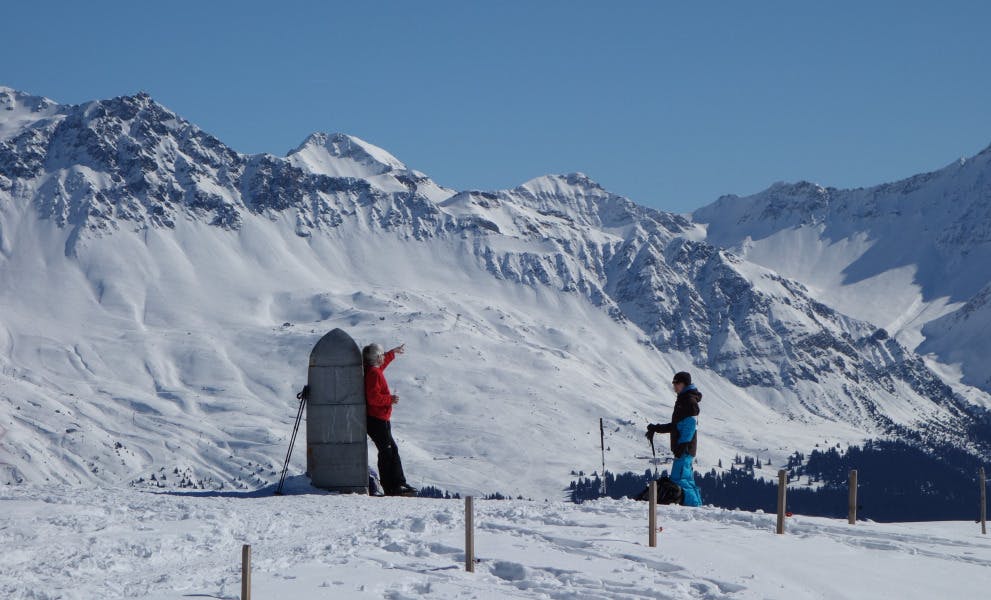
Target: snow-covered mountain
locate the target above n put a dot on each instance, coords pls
(903, 256)
(160, 293)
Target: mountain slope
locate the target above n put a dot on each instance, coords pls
(961, 338)
(161, 293)
(898, 255)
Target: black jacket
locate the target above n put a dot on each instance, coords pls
(687, 405)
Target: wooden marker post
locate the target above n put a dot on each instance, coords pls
(246, 572)
(852, 512)
(470, 534)
(652, 516)
(782, 491)
(984, 502)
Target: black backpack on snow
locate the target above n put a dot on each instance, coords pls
(668, 492)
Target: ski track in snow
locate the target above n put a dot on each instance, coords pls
(75, 543)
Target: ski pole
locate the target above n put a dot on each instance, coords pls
(602, 445)
(292, 440)
(653, 452)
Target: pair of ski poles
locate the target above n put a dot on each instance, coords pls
(302, 396)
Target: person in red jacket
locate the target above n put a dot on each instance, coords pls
(380, 402)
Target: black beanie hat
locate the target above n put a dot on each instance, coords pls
(682, 377)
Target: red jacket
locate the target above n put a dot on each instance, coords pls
(377, 394)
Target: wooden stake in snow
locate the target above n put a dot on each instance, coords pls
(782, 490)
(470, 534)
(246, 572)
(652, 515)
(852, 513)
(984, 502)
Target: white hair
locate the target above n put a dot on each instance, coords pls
(372, 354)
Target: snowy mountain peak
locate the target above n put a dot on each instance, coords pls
(562, 185)
(343, 155)
(18, 109)
(11, 99)
(578, 198)
(799, 187)
(138, 108)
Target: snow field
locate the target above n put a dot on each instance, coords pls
(504, 398)
(74, 543)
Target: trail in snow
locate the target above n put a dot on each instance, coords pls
(73, 543)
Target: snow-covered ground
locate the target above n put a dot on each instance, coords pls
(86, 543)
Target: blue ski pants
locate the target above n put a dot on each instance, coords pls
(682, 474)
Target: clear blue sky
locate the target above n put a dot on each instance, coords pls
(671, 104)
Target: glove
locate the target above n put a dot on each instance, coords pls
(652, 428)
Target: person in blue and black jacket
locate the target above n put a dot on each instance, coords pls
(684, 439)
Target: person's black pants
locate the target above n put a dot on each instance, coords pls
(390, 465)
